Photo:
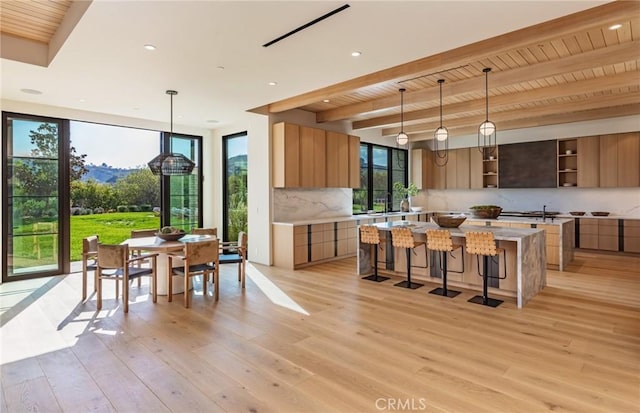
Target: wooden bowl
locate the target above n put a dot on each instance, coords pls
(600, 214)
(173, 236)
(488, 213)
(448, 221)
(577, 213)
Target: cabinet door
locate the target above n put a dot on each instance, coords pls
(319, 158)
(286, 160)
(608, 234)
(337, 160)
(421, 165)
(475, 169)
(462, 168)
(588, 228)
(451, 170)
(307, 154)
(588, 153)
(354, 162)
(629, 159)
(608, 161)
(631, 235)
(438, 176)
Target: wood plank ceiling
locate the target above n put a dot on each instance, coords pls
(35, 20)
(574, 68)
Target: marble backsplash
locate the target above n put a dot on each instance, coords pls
(300, 204)
(624, 202)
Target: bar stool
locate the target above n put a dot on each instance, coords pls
(403, 238)
(440, 240)
(369, 234)
(483, 243)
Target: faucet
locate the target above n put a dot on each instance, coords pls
(544, 213)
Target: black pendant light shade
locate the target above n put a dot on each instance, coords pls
(440, 138)
(402, 137)
(171, 163)
(487, 142)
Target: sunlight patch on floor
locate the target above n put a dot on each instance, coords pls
(272, 291)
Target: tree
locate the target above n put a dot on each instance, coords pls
(92, 194)
(140, 187)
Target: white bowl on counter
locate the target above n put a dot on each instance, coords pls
(416, 209)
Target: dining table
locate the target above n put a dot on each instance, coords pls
(164, 248)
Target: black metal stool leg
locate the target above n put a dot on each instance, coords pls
(408, 283)
(444, 291)
(484, 298)
(374, 276)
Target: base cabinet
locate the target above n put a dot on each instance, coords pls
(598, 234)
(631, 239)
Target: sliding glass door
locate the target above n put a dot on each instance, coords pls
(35, 181)
(234, 212)
(182, 193)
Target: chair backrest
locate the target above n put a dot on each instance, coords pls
(205, 231)
(90, 244)
(402, 238)
(142, 233)
(482, 243)
(112, 256)
(202, 252)
(439, 240)
(242, 242)
(369, 234)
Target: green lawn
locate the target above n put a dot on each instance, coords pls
(112, 228)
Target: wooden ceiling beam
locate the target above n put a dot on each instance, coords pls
(554, 119)
(559, 109)
(563, 90)
(595, 17)
(596, 58)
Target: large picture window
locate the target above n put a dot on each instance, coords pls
(380, 168)
(234, 160)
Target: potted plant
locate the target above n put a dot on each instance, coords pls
(405, 193)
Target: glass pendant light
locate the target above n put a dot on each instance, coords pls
(487, 142)
(402, 137)
(441, 138)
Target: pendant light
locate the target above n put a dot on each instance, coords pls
(402, 137)
(171, 163)
(487, 143)
(441, 138)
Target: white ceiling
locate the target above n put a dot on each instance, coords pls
(103, 61)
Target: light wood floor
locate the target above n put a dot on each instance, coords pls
(322, 340)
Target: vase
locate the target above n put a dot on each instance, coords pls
(404, 205)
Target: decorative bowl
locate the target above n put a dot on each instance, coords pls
(577, 213)
(448, 221)
(488, 212)
(416, 209)
(600, 214)
(173, 236)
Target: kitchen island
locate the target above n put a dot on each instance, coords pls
(525, 265)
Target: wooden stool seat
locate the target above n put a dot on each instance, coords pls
(484, 244)
(369, 234)
(402, 237)
(440, 240)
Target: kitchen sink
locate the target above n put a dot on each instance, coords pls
(529, 214)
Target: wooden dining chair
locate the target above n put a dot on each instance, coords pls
(89, 258)
(135, 252)
(205, 231)
(114, 263)
(235, 252)
(198, 258)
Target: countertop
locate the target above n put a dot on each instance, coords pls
(500, 233)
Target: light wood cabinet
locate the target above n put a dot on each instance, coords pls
(421, 166)
(337, 160)
(476, 168)
(450, 170)
(286, 155)
(588, 161)
(438, 177)
(631, 239)
(620, 160)
(567, 162)
(599, 234)
(305, 157)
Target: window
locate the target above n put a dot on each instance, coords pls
(234, 160)
(183, 193)
(380, 167)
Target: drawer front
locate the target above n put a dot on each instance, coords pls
(550, 229)
(301, 255)
(632, 244)
(631, 231)
(588, 241)
(608, 243)
(608, 230)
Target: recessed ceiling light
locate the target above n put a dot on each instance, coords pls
(356, 53)
(31, 91)
(220, 67)
(615, 26)
(212, 121)
(82, 100)
(273, 83)
(149, 47)
(326, 100)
